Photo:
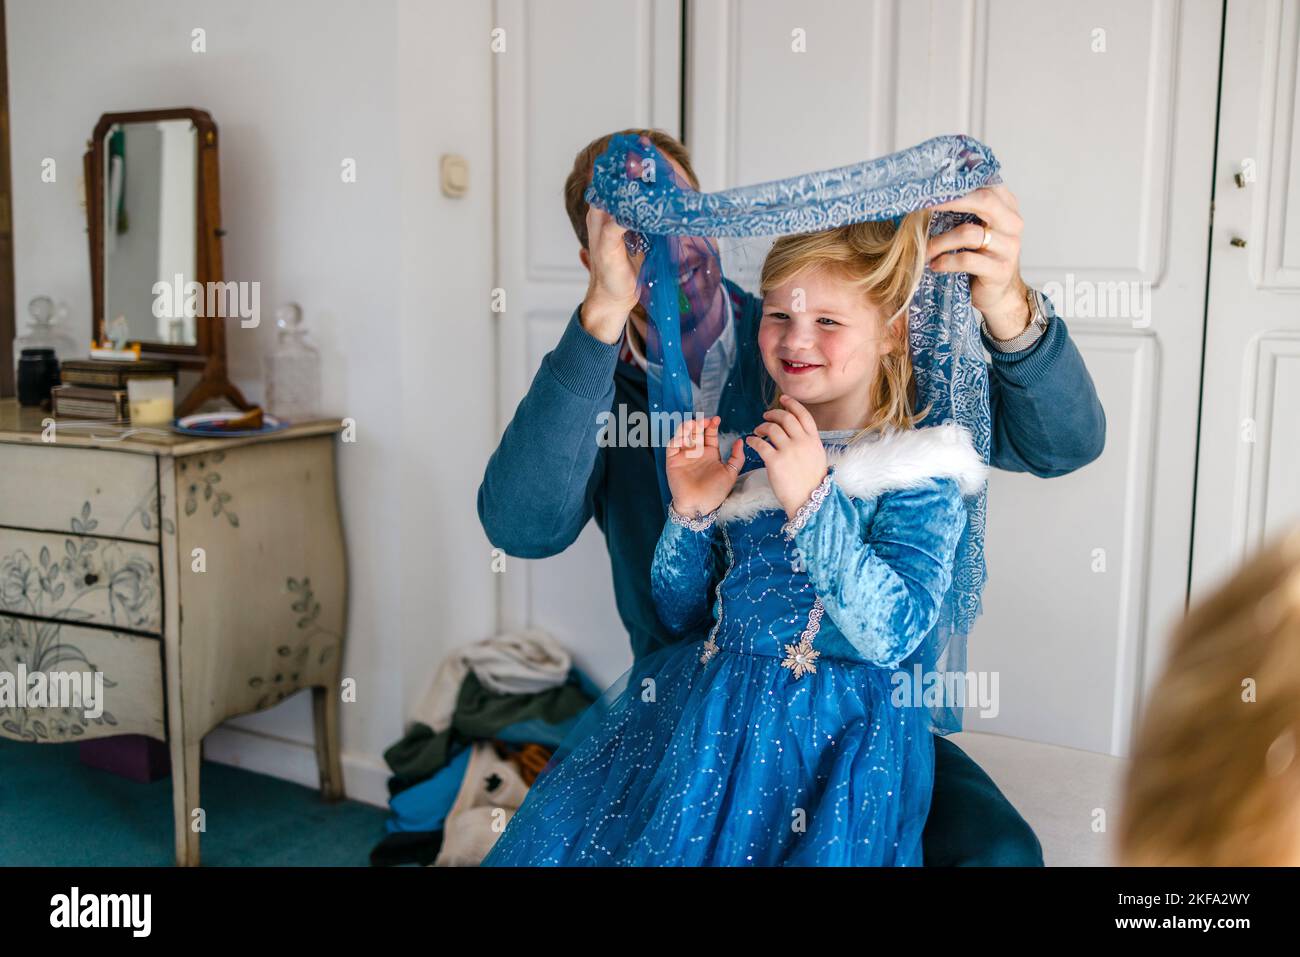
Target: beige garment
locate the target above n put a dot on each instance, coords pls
(489, 795)
(523, 662)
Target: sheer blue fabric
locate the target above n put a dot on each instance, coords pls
(681, 278)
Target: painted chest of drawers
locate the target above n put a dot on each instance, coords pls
(201, 578)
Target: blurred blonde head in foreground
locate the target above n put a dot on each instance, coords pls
(1215, 773)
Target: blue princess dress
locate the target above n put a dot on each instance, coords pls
(776, 740)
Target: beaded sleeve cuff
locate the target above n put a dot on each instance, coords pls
(699, 523)
(808, 508)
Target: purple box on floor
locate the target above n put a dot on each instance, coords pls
(134, 756)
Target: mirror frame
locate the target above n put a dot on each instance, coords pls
(209, 350)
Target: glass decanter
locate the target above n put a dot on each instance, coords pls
(292, 370)
(44, 332)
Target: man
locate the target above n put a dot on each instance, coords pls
(550, 474)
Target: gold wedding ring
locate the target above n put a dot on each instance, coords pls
(988, 237)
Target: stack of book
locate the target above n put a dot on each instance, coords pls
(96, 388)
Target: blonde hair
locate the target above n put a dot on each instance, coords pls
(1215, 774)
(885, 264)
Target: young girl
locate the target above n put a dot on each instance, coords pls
(775, 741)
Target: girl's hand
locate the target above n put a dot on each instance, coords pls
(697, 476)
(792, 451)
(996, 289)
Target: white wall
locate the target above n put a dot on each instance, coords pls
(392, 276)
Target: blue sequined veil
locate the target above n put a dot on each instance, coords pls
(682, 280)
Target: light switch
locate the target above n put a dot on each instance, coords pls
(455, 175)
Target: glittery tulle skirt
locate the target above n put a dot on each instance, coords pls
(733, 762)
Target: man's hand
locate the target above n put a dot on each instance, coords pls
(697, 476)
(996, 288)
(612, 287)
(792, 451)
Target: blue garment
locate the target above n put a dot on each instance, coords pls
(971, 823)
(424, 806)
(537, 731)
(776, 740)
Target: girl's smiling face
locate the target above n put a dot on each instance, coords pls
(821, 340)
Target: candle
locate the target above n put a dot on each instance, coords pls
(149, 400)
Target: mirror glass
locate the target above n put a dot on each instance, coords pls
(150, 231)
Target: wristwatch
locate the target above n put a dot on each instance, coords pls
(1039, 310)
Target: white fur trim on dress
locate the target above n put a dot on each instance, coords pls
(882, 462)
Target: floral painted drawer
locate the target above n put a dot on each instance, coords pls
(80, 579)
(131, 701)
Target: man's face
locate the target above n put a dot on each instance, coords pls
(699, 269)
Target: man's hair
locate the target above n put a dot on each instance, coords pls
(579, 178)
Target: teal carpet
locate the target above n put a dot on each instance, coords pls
(56, 812)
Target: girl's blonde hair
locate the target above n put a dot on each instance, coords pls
(885, 263)
(1215, 772)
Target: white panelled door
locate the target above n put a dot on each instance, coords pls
(1103, 117)
(1248, 479)
(570, 71)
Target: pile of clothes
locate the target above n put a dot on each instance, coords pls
(494, 714)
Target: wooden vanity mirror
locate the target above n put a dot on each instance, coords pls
(153, 208)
